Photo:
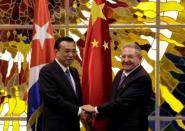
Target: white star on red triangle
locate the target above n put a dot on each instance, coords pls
(42, 34)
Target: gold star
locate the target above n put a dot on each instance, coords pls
(105, 45)
(96, 11)
(95, 43)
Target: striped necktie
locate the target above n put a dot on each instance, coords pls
(67, 72)
(123, 76)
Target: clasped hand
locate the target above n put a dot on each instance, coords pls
(88, 113)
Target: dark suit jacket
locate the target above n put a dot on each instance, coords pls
(127, 109)
(60, 102)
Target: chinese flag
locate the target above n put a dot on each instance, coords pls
(96, 64)
(42, 53)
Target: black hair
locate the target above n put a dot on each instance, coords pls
(61, 39)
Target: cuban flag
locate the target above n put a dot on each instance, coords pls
(42, 53)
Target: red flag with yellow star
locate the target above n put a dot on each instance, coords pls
(96, 66)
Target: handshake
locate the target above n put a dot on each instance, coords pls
(88, 113)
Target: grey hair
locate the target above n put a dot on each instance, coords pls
(132, 45)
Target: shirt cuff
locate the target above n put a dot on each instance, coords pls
(79, 111)
(96, 110)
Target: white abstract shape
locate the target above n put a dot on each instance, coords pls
(83, 30)
(10, 65)
(117, 58)
(6, 56)
(115, 70)
(86, 13)
(5, 109)
(78, 53)
(172, 14)
(74, 36)
(162, 49)
(148, 38)
(19, 58)
(167, 33)
(147, 66)
(112, 2)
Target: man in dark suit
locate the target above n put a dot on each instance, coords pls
(131, 92)
(60, 90)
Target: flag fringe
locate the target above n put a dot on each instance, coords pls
(34, 118)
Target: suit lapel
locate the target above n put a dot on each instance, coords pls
(130, 78)
(63, 77)
(116, 84)
(76, 81)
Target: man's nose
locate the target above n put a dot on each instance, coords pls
(71, 53)
(126, 59)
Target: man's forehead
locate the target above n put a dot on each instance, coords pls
(129, 49)
(67, 44)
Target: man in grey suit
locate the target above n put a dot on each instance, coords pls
(131, 92)
(60, 89)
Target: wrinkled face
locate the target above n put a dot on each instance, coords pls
(130, 59)
(67, 53)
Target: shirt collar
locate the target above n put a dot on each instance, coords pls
(62, 66)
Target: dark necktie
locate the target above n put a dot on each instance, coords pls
(123, 76)
(67, 72)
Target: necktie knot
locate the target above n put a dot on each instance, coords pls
(67, 72)
(123, 76)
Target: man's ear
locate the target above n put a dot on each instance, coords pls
(56, 50)
(140, 57)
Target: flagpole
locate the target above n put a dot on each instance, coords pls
(67, 16)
